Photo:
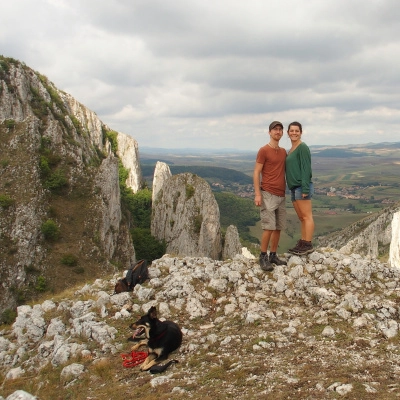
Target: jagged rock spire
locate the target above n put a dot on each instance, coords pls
(186, 215)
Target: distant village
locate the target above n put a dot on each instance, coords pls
(351, 192)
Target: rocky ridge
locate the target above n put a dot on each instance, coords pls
(322, 327)
(48, 140)
(394, 250)
(371, 236)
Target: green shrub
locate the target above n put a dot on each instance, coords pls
(56, 181)
(10, 123)
(69, 259)
(4, 64)
(139, 205)
(41, 284)
(238, 211)
(147, 246)
(55, 97)
(112, 138)
(45, 143)
(18, 294)
(8, 316)
(6, 201)
(77, 125)
(123, 174)
(53, 159)
(50, 230)
(5, 163)
(38, 104)
(189, 191)
(44, 166)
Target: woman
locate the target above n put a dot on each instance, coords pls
(298, 178)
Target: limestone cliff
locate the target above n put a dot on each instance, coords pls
(371, 237)
(128, 153)
(186, 215)
(58, 163)
(161, 174)
(394, 252)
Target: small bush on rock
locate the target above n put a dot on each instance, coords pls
(8, 316)
(50, 230)
(69, 260)
(56, 181)
(41, 284)
(6, 201)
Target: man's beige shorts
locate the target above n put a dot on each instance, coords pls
(272, 212)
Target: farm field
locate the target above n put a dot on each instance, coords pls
(325, 222)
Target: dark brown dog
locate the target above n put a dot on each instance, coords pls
(162, 337)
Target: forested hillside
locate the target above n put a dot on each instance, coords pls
(211, 174)
(237, 211)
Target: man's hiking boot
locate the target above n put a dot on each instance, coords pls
(265, 263)
(273, 259)
(303, 249)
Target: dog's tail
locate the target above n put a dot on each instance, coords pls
(157, 369)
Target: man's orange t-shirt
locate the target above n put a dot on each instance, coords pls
(273, 171)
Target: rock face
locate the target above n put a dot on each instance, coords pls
(232, 245)
(161, 174)
(59, 162)
(394, 253)
(128, 153)
(370, 237)
(186, 215)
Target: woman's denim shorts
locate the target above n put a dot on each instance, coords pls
(296, 193)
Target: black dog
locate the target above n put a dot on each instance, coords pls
(162, 338)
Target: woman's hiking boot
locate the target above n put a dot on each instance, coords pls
(303, 248)
(295, 247)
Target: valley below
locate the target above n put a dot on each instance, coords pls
(351, 182)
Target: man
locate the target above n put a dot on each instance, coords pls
(270, 195)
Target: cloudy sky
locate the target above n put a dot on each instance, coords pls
(215, 73)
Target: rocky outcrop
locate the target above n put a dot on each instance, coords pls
(394, 252)
(185, 215)
(111, 233)
(161, 174)
(318, 327)
(232, 245)
(128, 153)
(370, 236)
(58, 163)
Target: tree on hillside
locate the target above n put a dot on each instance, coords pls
(235, 210)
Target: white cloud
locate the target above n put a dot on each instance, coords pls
(214, 74)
